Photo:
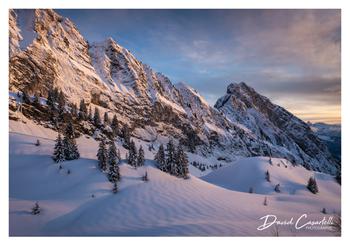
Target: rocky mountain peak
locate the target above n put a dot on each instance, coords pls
(109, 76)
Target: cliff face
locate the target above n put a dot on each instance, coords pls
(275, 125)
(47, 51)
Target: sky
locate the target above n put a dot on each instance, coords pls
(291, 56)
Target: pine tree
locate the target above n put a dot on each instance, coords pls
(113, 161)
(181, 161)
(160, 158)
(61, 106)
(74, 110)
(69, 131)
(102, 156)
(36, 209)
(58, 154)
(140, 157)
(114, 126)
(312, 185)
(106, 119)
(82, 110)
(126, 136)
(265, 201)
(132, 158)
(71, 151)
(145, 177)
(50, 102)
(170, 158)
(278, 188)
(97, 119)
(90, 114)
(37, 142)
(267, 176)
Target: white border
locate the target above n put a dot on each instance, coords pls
(171, 4)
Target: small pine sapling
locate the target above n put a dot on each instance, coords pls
(267, 176)
(312, 185)
(145, 177)
(36, 209)
(265, 201)
(278, 188)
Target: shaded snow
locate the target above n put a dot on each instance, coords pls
(165, 205)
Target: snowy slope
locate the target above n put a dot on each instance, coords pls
(250, 172)
(163, 206)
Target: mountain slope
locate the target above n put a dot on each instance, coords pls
(47, 51)
(277, 126)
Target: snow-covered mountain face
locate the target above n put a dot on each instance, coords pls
(47, 51)
(276, 126)
(330, 135)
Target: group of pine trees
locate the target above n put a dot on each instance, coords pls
(66, 148)
(136, 158)
(172, 160)
(95, 118)
(108, 159)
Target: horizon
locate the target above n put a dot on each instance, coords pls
(290, 56)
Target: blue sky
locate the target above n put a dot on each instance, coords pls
(291, 56)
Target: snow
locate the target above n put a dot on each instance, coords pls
(250, 172)
(165, 205)
(171, 104)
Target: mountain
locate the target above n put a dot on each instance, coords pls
(330, 134)
(276, 126)
(47, 51)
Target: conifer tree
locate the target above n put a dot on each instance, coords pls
(312, 185)
(58, 154)
(126, 136)
(140, 157)
(278, 188)
(102, 156)
(74, 110)
(181, 161)
(265, 201)
(106, 119)
(113, 160)
(50, 102)
(145, 177)
(90, 114)
(97, 119)
(36, 209)
(82, 110)
(71, 151)
(114, 126)
(267, 176)
(132, 158)
(170, 158)
(160, 158)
